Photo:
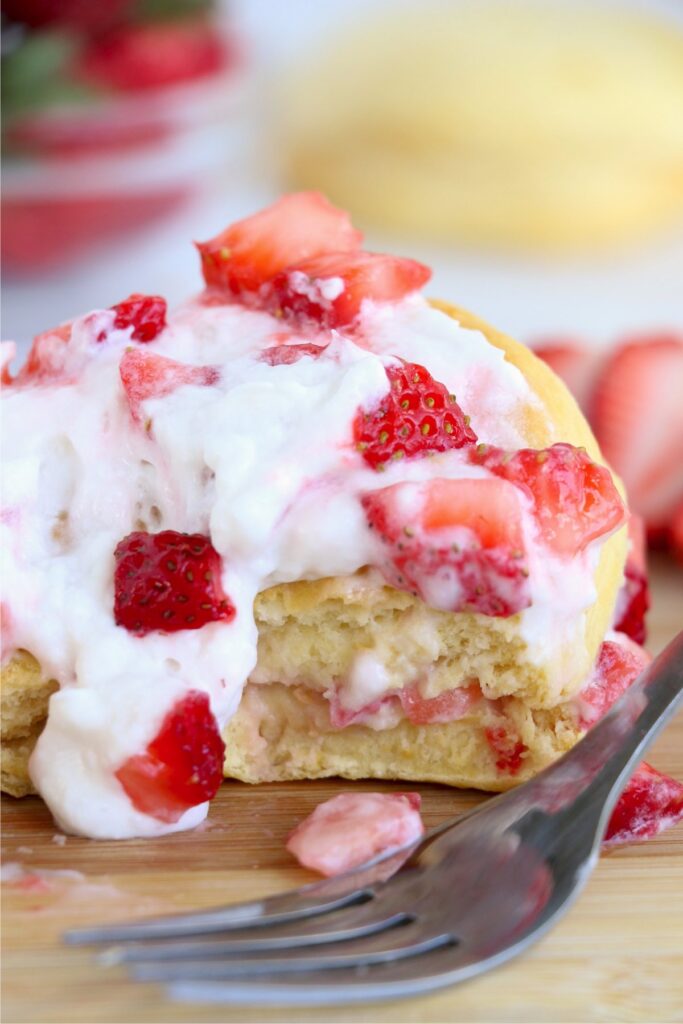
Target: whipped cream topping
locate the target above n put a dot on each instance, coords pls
(263, 462)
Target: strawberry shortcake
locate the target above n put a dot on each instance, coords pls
(309, 524)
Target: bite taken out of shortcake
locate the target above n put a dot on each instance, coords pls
(310, 524)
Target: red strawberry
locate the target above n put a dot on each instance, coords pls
(285, 355)
(418, 416)
(45, 361)
(456, 543)
(618, 665)
(341, 716)
(575, 500)
(328, 290)
(650, 803)
(153, 55)
(506, 747)
(448, 706)
(181, 767)
(349, 829)
(167, 582)
(576, 365)
(148, 375)
(250, 252)
(676, 533)
(637, 415)
(634, 597)
(146, 314)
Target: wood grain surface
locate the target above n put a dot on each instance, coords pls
(616, 956)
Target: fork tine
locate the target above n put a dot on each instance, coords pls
(340, 926)
(397, 944)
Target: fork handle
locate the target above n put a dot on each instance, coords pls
(605, 759)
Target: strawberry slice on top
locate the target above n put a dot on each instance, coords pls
(417, 416)
(575, 500)
(328, 290)
(248, 254)
(457, 544)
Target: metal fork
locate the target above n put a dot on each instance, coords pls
(474, 892)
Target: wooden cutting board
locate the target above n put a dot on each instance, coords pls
(617, 956)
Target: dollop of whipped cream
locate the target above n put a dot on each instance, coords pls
(263, 462)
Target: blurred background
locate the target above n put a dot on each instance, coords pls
(530, 151)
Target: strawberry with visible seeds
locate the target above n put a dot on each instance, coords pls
(637, 416)
(327, 291)
(458, 544)
(149, 375)
(633, 599)
(244, 257)
(618, 665)
(181, 767)
(650, 803)
(349, 829)
(575, 500)
(168, 581)
(146, 314)
(417, 416)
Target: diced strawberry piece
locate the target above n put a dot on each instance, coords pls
(650, 803)
(456, 543)
(506, 747)
(573, 363)
(134, 57)
(182, 766)
(46, 357)
(575, 500)
(167, 582)
(418, 416)
(149, 375)
(250, 252)
(637, 415)
(633, 600)
(618, 665)
(352, 828)
(285, 355)
(448, 706)
(8, 350)
(328, 290)
(341, 716)
(146, 314)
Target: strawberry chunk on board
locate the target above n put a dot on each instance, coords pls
(149, 375)
(168, 581)
(181, 767)
(146, 314)
(618, 665)
(417, 416)
(244, 257)
(351, 828)
(458, 544)
(575, 500)
(650, 803)
(328, 290)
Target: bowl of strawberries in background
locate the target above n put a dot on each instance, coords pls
(115, 115)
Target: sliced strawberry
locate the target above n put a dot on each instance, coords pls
(168, 581)
(506, 746)
(573, 363)
(650, 803)
(46, 358)
(575, 500)
(250, 252)
(618, 665)
(152, 55)
(146, 314)
(416, 417)
(351, 828)
(328, 290)
(633, 600)
(181, 767)
(637, 415)
(448, 706)
(148, 375)
(285, 355)
(455, 543)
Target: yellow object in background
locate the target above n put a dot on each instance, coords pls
(537, 125)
